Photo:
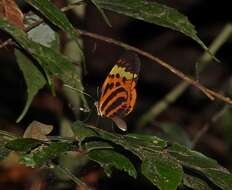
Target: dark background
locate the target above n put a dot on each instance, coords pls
(191, 111)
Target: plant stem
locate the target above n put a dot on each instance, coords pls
(73, 177)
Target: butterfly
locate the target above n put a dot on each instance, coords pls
(118, 93)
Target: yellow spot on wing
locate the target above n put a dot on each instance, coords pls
(123, 73)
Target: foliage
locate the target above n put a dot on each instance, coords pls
(163, 164)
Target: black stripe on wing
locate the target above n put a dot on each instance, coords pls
(118, 103)
(112, 95)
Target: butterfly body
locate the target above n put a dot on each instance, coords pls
(118, 93)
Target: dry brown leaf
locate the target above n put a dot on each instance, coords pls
(37, 130)
(10, 10)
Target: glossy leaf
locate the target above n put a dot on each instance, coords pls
(190, 158)
(209, 167)
(147, 140)
(195, 183)
(23, 144)
(45, 154)
(154, 13)
(93, 145)
(138, 144)
(220, 177)
(162, 171)
(34, 79)
(109, 158)
(154, 152)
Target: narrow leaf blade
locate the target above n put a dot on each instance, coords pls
(33, 77)
(154, 13)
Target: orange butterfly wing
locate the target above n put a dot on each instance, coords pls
(118, 93)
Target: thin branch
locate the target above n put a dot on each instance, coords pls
(5, 43)
(207, 126)
(73, 177)
(170, 97)
(6, 135)
(208, 92)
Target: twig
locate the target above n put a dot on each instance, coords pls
(73, 178)
(5, 43)
(207, 125)
(209, 93)
(6, 135)
(163, 104)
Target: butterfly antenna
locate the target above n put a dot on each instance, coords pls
(79, 91)
(98, 92)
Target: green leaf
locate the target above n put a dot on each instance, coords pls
(220, 177)
(195, 183)
(75, 96)
(81, 131)
(23, 144)
(160, 162)
(147, 140)
(162, 171)
(190, 158)
(209, 167)
(33, 77)
(109, 158)
(53, 63)
(43, 155)
(154, 13)
(93, 145)
(55, 16)
(140, 145)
